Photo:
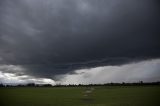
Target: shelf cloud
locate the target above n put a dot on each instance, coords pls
(46, 39)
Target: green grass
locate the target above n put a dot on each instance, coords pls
(74, 96)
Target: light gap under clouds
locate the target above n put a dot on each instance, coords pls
(147, 71)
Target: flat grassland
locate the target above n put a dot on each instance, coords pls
(81, 96)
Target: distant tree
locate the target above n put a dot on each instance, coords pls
(141, 82)
(47, 85)
(123, 83)
(79, 84)
(1, 85)
(31, 85)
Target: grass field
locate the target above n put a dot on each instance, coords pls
(81, 96)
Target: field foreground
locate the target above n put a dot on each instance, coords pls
(81, 96)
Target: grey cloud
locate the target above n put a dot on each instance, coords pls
(57, 36)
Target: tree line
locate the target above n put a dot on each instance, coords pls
(140, 83)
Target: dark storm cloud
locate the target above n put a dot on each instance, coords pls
(57, 36)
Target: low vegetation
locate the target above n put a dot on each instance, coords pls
(119, 95)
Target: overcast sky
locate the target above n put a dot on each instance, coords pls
(79, 41)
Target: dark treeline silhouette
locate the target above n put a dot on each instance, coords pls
(140, 83)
